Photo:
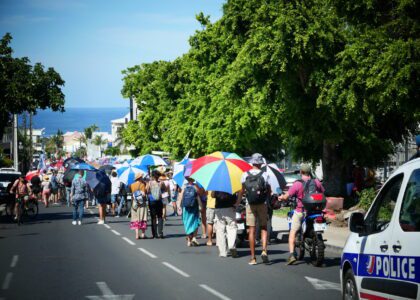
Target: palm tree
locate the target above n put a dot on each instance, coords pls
(99, 141)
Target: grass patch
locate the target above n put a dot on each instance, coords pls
(282, 213)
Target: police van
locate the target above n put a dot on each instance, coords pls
(381, 258)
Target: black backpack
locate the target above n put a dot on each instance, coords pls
(312, 199)
(256, 188)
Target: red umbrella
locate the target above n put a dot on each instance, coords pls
(31, 174)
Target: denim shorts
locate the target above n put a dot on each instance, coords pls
(114, 198)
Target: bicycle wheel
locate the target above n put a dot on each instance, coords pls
(32, 210)
(19, 213)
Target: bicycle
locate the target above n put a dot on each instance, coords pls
(30, 209)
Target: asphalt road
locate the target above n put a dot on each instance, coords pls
(50, 258)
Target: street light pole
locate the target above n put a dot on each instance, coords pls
(15, 142)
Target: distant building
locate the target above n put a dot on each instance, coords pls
(7, 141)
(117, 124)
(71, 141)
(37, 135)
(96, 151)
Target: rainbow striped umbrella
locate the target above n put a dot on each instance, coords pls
(220, 171)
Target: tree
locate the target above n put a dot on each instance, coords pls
(99, 141)
(24, 87)
(329, 80)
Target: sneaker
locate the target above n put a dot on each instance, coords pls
(194, 242)
(79, 222)
(117, 216)
(292, 259)
(101, 222)
(264, 257)
(253, 261)
(234, 253)
(74, 222)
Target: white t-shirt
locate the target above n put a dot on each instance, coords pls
(115, 185)
(254, 172)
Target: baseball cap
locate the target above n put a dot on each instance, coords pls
(257, 159)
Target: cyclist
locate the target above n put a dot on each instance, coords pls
(297, 190)
(21, 190)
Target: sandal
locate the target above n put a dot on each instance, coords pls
(210, 244)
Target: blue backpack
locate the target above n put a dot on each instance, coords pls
(190, 197)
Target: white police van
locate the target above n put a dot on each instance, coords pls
(381, 258)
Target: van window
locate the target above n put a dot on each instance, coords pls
(381, 212)
(410, 207)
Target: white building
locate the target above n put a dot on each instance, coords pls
(96, 151)
(71, 141)
(37, 135)
(117, 124)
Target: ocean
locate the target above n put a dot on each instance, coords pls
(76, 119)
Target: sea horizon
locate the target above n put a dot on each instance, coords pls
(77, 119)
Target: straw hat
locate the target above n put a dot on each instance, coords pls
(138, 176)
(46, 178)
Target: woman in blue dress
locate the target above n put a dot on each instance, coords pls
(191, 205)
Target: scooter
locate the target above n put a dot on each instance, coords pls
(309, 237)
(242, 233)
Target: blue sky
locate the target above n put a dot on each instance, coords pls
(90, 42)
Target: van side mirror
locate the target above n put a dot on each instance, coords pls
(357, 223)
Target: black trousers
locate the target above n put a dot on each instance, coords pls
(156, 208)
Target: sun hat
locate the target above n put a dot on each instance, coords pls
(256, 159)
(46, 178)
(305, 168)
(138, 176)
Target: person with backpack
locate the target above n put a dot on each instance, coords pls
(299, 189)
(54, 187)
(122, 194)
(256, 188)
(154, 192)
(79, 194)
(138, 206)
(225, 223)
(191, 206)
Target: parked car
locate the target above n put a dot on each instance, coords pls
(7, 176)
(381, 258)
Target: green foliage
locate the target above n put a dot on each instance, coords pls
(24, 87)
(366, 198)
(4, 160)
(112, 151)
(332, 80)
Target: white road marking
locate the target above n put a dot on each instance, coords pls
(14, 261)
(319, 284)
(175, 269)
(214, 292)
(128, 240)
(108, 294)
(115, 232)
(107, 226)
(147, 253)
(7, 280)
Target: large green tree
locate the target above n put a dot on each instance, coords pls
(330, 80)
(24, 87)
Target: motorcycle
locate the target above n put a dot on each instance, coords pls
(309, 237)
(242, 233)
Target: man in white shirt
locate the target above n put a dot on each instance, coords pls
(255, 186)
(115, 190)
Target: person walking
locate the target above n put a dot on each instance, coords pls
(225, 223)
(297, 190)
(54, 187)
(46, 190)
(115, 190)
(154, 191)
(79, 194)
(210, 217)
(256, 188)
(165, 194)
(191, 205)
(173, 191)
(139, 207)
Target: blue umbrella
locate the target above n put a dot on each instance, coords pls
(179, 171)
(149, 160)
(95, 178)
(82, 166)
(127, 173)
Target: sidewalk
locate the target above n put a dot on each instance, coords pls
(335, 236)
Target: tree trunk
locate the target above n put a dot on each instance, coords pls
(335, 170)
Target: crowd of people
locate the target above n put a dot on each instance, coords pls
(151, 194)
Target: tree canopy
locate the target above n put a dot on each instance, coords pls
(26, 87)
(327, 79)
